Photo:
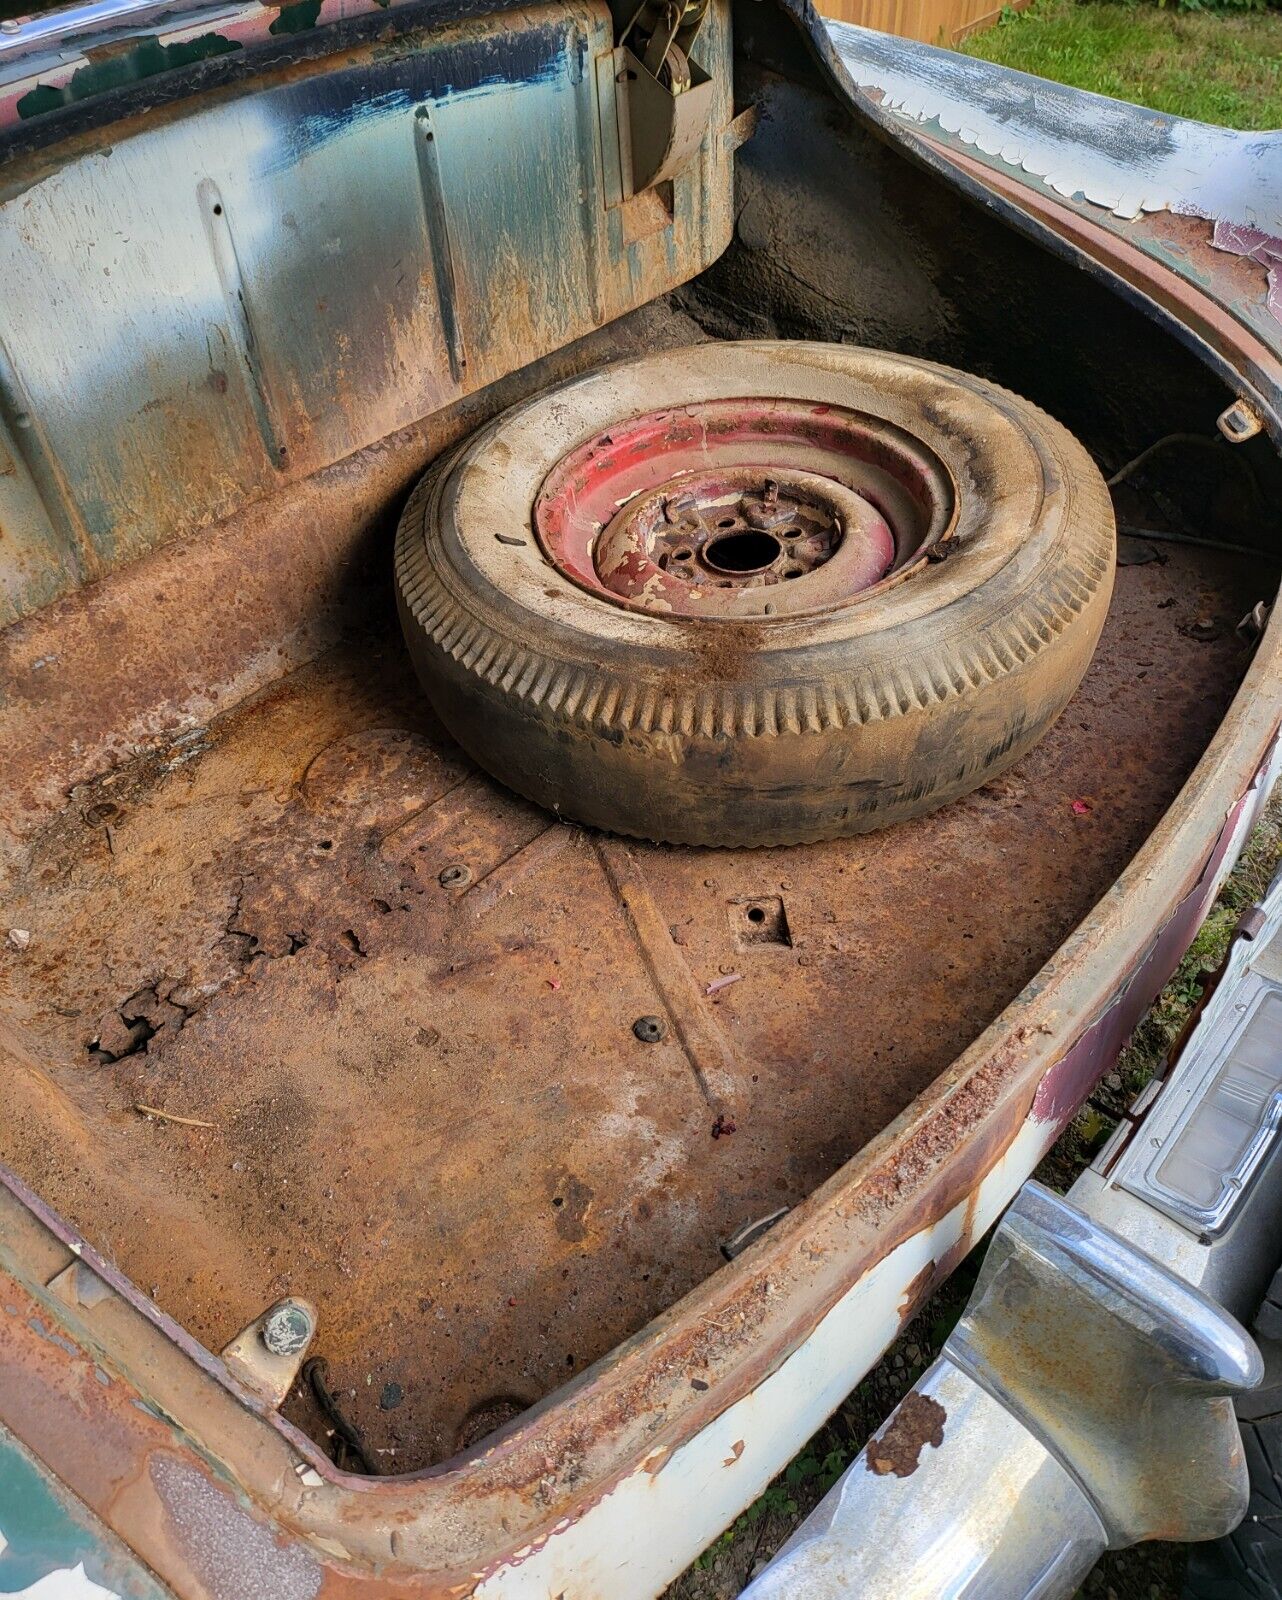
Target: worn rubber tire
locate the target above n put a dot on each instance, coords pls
(1247, 1564)
(788, 728)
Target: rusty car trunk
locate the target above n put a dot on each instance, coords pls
(298, 1002)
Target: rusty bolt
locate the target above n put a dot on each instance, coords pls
(455, 876)
(650, 1030)
(287, 1329)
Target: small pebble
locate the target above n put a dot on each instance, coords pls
(1114, 1080)
(391, 1396)
(19, 938)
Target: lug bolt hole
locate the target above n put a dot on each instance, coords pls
(742, 552)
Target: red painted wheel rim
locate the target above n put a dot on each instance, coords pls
(737, 508)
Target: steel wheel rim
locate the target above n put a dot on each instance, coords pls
(743, 508)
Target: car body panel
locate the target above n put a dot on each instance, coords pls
(615, 1482)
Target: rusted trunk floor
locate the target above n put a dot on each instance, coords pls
(430, 1112)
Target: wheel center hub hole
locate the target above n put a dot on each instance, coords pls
(743, 552)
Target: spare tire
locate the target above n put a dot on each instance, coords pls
(757, 593)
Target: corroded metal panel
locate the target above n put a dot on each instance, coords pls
(236, 297)
(360, 978)
(38, 561)
(610, 1486)
(614, 1489)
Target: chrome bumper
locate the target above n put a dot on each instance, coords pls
(1084, 1400)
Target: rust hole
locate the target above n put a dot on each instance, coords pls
(918, 1422)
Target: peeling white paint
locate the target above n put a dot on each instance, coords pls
(66, 1583)
(1124, 158)
(612, 1549)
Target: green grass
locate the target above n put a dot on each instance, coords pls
(1213, 66)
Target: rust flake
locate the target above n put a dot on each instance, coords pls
(918, 1422)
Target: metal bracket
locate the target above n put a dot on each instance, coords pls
(660, 121)
(1239, 422)
(80, 1287)
(267, 1354)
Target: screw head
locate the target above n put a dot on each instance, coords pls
(455, 876)
(650, 1029)
(287, 1329)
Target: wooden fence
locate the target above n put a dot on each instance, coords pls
(936, 21)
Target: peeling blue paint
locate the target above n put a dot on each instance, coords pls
(147, 58)
(523, 62)
(38, 1328)
(318, 128)
(48, 1531)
